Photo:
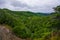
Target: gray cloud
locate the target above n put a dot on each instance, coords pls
(18, 4)
(30, 5)
(2, 2)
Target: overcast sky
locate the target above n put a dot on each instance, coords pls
(30, 5)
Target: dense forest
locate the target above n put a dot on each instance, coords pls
(35, 26)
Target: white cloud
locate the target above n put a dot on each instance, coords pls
(30, 5)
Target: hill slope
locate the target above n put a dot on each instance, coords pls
(29, 25)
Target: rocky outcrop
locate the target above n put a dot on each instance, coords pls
(6, 34)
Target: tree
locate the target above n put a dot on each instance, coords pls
(57, 9)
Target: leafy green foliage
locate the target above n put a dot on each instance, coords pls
(30, 25)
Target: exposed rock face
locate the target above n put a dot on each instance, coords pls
(6, 34)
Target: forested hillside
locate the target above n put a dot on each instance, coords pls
(35, 26)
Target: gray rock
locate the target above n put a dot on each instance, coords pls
(6, 34)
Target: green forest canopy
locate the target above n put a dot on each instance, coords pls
(27, 24)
